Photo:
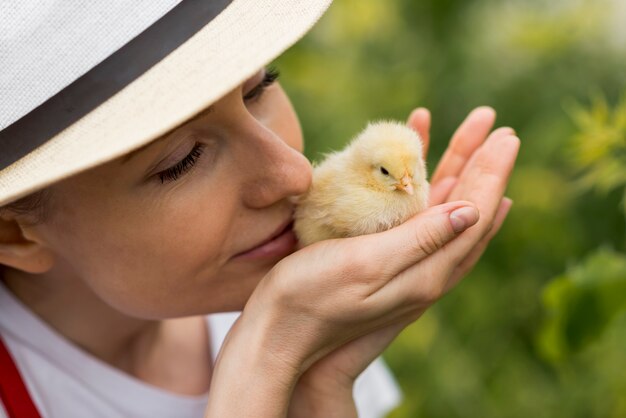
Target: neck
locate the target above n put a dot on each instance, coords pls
(154, 351)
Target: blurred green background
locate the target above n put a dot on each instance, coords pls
(538, 328)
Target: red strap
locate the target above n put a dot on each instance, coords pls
(13, 392)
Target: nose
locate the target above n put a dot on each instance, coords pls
(273, 171)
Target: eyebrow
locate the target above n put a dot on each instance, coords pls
(130, 155)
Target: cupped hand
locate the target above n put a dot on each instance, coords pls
(327, 295)
(325, 312)
(457, 159)
(467, 159)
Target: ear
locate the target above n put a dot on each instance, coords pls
(20, 249)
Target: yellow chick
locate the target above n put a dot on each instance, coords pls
(377, 182)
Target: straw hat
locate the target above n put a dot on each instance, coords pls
(83, 82)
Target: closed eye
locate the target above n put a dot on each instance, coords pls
(271, 75)
(173, 173)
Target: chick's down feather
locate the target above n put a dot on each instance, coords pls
(377, 182)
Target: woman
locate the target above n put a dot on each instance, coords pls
(151, 186)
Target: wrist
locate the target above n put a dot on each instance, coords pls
(249, 380)
(313, 399)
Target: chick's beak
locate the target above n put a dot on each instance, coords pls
(405, 184)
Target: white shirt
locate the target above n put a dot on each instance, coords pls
(65, 381)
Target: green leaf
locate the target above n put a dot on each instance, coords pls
(599, 147)
(581, 303)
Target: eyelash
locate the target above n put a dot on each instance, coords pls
(183, 166)
(271, 75)
(173, 173)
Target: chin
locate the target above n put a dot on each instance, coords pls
(230, 293)
(221, 298)
(226, 291)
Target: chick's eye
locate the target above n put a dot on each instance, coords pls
(384, 171)
(271, 75)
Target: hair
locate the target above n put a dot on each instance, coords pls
(34, 208)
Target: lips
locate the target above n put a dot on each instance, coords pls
(279, 244)
(280, 230)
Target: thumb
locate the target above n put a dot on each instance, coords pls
(420, 236)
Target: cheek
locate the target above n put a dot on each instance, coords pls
(153, 261)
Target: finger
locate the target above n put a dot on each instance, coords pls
(419, 121)
(470, 261)
(485, 178)
(387, 253)
(483, 183)
(424, 283)
(498, 133)
(467, 138)
(439, 192)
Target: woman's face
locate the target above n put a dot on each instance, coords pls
(156, 243)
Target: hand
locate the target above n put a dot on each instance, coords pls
(324, 297)
(331, 378)
(340, 297)
(461, 151)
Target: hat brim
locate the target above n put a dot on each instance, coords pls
(232, 47)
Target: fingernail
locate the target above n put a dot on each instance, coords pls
(486, 109)
(463, 218)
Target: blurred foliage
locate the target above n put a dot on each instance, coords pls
(582, 303)
(599, 147)
(510, 340)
